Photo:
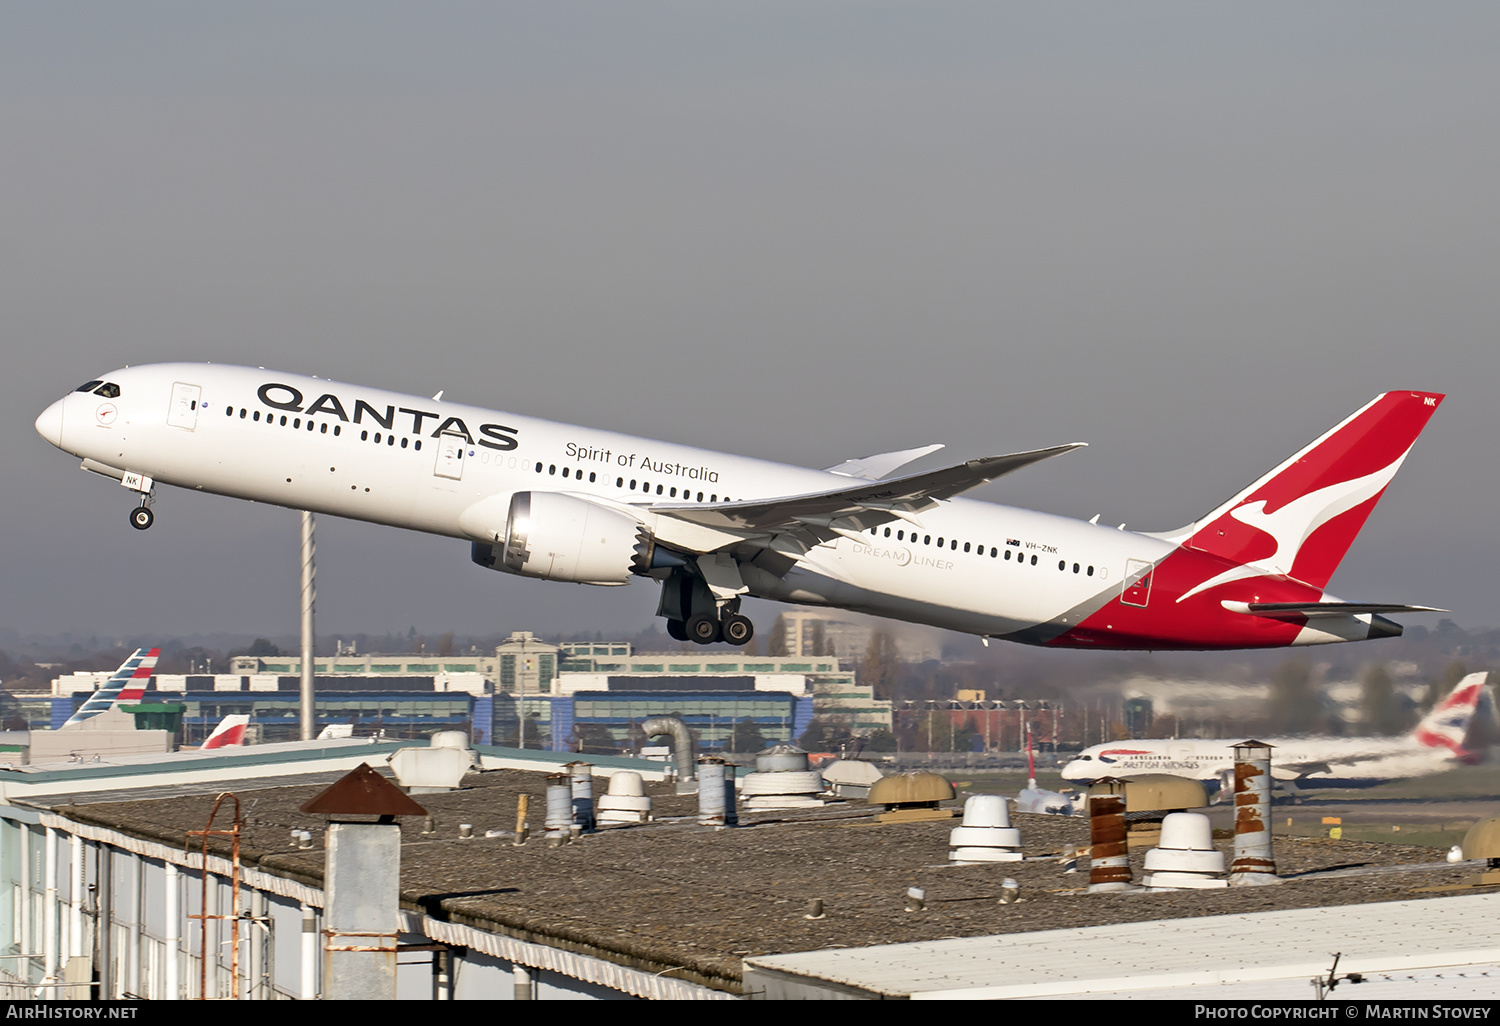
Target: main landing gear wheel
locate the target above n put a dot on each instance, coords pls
(677, 630)
(703, 629)
(737, 629)
(141, 518)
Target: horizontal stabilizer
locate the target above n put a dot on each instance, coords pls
(1312, 610)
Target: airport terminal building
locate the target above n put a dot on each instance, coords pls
(588, 696)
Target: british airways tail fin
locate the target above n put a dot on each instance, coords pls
(127, 685)
(1301, 518)
(1447, 726)
(230, 733)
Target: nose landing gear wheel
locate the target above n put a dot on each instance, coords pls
(738, 630)
(703, 629)
(141, 518)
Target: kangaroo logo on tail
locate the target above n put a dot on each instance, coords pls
(1300, 519)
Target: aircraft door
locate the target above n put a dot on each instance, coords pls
(182, 410)
(1137, 587)
(450, 457)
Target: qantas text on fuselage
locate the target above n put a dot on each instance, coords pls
(567, 503)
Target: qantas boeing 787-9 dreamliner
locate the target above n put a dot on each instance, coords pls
(567, 503)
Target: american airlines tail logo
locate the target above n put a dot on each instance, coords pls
(1291, 525)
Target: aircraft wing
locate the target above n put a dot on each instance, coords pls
(1298, 770)
(858, 506)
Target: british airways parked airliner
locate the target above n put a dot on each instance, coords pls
(567, 503)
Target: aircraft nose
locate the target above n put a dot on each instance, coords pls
(50, 424)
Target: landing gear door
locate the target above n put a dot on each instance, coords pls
(1137, 587)
(450, 456)
(182, 411)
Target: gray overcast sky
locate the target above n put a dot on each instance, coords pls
(1194, 235)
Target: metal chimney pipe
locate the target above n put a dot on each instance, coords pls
(715, 792)
(582, 781)
(1110, 868)
(1253, 861)
(559, 808)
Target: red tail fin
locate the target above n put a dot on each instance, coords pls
(1301, 518)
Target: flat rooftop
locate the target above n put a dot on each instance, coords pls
(671, 897)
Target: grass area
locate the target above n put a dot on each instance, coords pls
(1006, 782)
(1437, 835)
(1463, 782)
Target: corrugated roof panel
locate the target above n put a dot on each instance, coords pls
(1261, 947)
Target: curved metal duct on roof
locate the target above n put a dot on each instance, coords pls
(683, 754)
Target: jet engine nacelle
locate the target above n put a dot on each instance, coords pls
(560, 537)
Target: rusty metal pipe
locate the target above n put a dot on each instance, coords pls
(1254, 862)
(1109, 869)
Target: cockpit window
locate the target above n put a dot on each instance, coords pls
(109, 390)
(89, 386)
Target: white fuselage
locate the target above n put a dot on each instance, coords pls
(419, 463)
(1308, 761)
